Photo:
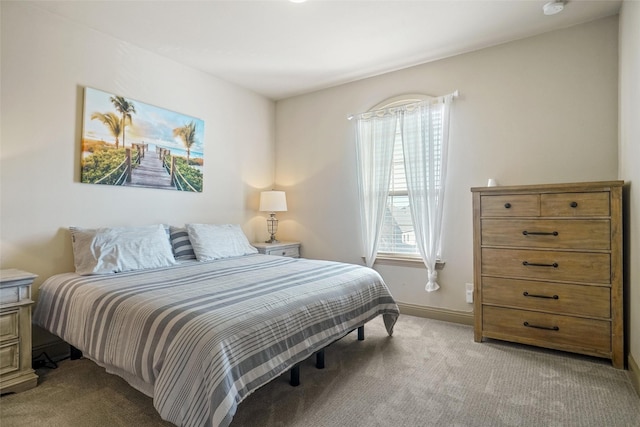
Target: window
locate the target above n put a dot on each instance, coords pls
(398, 236)
(401, 147)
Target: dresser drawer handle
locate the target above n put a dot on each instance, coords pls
(527, 294)
(533, 264)
(574, 204)
(552, 328)
(540, 233)
(507, 205)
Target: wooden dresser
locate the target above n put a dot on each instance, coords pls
(548, 266)
(16, 373)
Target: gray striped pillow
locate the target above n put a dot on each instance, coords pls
(181, 244)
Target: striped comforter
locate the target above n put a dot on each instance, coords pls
(205, 335)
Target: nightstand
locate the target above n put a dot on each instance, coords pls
(289, 249)
(16, 374)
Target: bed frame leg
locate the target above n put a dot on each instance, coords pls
(295, 376)
(320, 359)
(74, 353)
(361, 333)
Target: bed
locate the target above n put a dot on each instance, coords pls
(200, 336)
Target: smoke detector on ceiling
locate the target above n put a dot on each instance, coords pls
(553, 7)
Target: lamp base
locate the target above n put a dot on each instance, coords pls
(272, 227)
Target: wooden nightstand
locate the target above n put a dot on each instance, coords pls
(289, 249)
(16, 374)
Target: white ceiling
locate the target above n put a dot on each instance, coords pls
(281, 49)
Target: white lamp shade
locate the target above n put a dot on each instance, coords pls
(273, 201)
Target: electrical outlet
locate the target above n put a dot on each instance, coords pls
(469, 292)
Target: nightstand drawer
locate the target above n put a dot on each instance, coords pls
(286, 249)
(9, 357)
(9, 295)
(292, 252)
(9, 326)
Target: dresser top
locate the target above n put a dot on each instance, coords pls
(13, 275)
(571, 186)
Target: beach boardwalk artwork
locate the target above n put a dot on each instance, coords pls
(130, 143)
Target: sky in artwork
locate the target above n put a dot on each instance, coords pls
(150, 124)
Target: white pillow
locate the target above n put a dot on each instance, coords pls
(218, 241)
(112, 250)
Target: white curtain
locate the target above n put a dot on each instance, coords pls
(375, 135)
(425, 139)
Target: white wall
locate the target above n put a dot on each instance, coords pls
(46, 61)
(630, 160)
(538, 110)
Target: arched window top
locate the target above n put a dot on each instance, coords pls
(400, 100)
(395, 103)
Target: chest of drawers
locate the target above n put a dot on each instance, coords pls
(548, 266)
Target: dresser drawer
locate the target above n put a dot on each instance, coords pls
(9, 326)
(581, 267)
(530, 327)
(9, 357)
(562, 298)
(547, 233)
(510, 205)
(575, 204)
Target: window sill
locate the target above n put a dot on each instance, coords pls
(407, 261)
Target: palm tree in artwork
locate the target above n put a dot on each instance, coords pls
(111, 121)
(124, 107)
(187, 134)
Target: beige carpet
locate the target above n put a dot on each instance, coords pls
(430, 373)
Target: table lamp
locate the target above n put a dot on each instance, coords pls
(272, 202)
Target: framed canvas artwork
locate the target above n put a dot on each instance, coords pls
(130, 143)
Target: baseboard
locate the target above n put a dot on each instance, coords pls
(453, 316)
(634, 373)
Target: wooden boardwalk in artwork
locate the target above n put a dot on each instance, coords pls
(150, 173)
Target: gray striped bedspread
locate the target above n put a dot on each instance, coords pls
(206, 335)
